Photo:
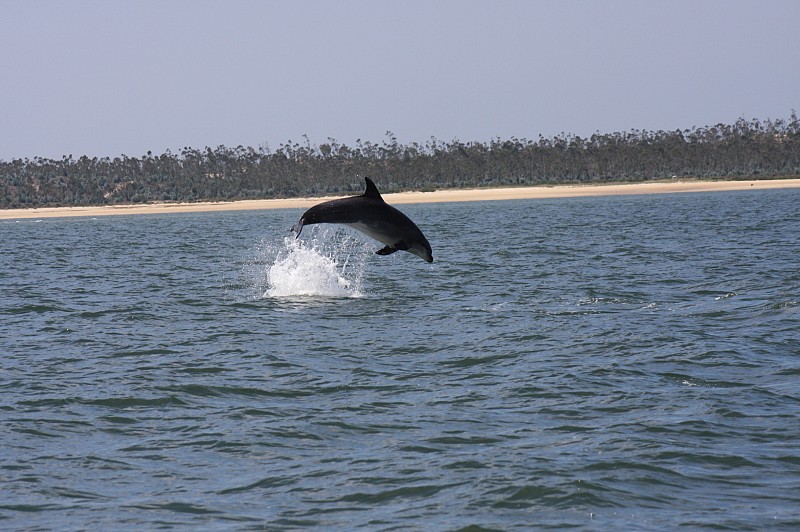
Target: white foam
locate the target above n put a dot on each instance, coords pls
(330, 264)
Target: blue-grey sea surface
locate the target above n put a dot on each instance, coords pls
(628, 362)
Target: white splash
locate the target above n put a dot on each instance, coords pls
(331, 264)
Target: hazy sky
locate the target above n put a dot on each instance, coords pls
(102, 78)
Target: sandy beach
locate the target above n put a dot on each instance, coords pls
(438, 196)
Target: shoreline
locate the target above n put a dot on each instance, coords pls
(401, 198)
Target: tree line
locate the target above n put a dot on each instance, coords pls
(744, 149)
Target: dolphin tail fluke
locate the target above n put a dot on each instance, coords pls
(297, 228)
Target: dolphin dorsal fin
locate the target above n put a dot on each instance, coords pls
(372, 190)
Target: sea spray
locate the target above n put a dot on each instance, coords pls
(330, 264)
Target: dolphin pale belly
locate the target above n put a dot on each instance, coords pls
(375, 218)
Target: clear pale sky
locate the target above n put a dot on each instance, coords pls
(103, 78)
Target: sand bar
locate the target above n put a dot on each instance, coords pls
(438, 196)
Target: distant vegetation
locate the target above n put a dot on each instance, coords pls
(745, 149)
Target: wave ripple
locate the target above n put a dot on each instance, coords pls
(614, 363)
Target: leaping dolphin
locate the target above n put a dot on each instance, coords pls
(375, 218)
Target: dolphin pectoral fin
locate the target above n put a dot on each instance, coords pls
(401, 245)
(388, 250)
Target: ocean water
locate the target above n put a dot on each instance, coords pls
(593, 363)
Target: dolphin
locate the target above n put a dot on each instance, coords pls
(375, 218)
